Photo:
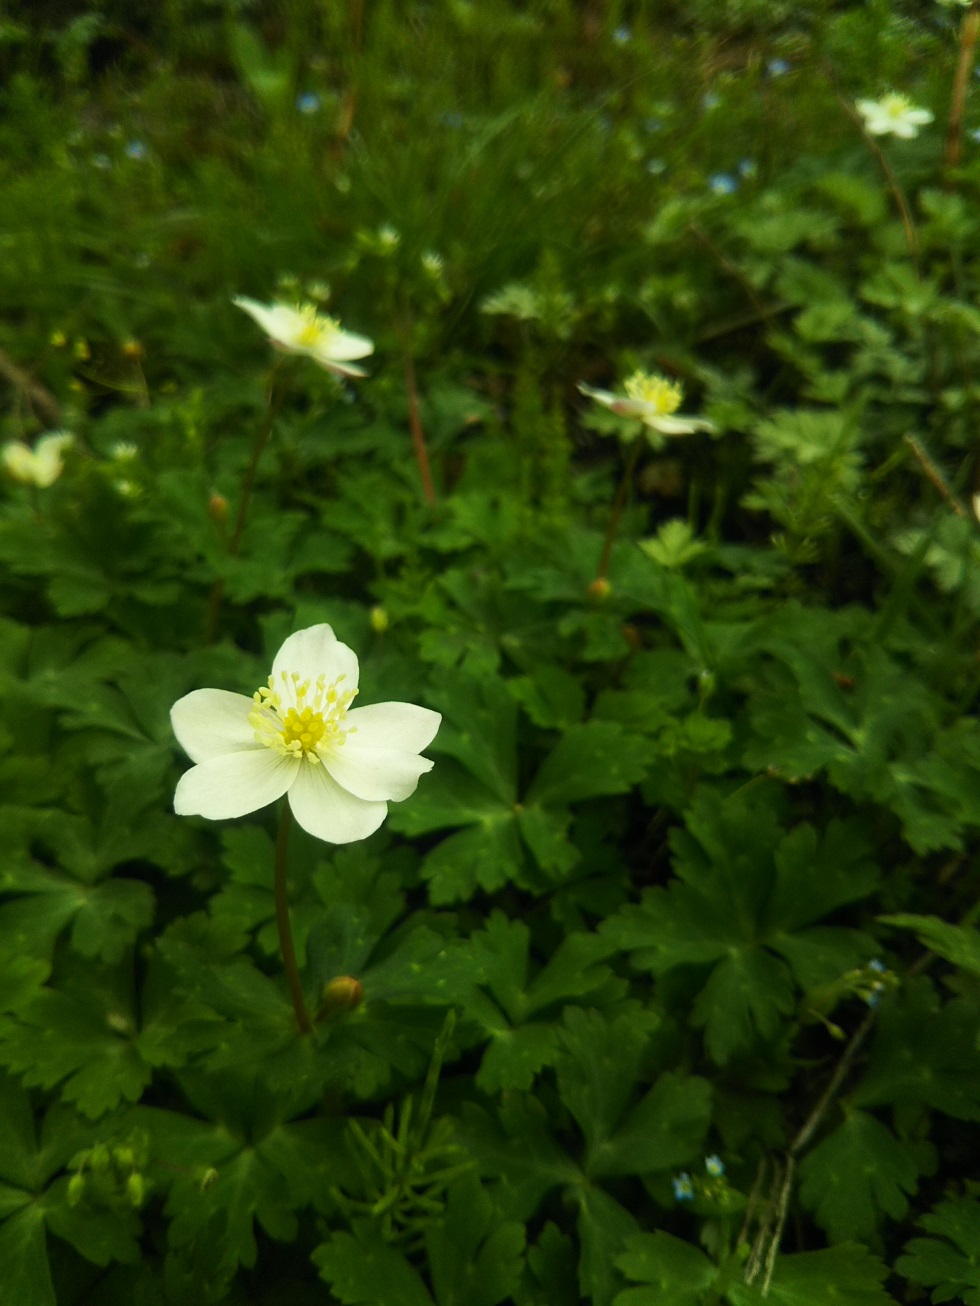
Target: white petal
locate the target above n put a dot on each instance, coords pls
(212, 722)
(326, 360)
(314, 652)
(276, 320)
(667, 425)
(328, 812)
(600, 396)
(375, 774)
(234, 784)
(345, 345)
(401, 726)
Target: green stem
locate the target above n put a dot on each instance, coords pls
(617, 509)
(282, 922)
(248, 484)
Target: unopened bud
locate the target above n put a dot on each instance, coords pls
(135, 1190)
(218, 509)
(132, 349)
(379, 620)
(632, 636)
(599, 590)
(343, 993)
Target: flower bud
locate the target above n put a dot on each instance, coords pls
(133, 349)
(343, 993)
(218, 509)
(379, 619)
(135, 1190)
(599, 590)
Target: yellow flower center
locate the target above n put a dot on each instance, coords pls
(301, 718)
(317, 329)
(895, 106)
(664, 395)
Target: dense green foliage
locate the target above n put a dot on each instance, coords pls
(669, 969)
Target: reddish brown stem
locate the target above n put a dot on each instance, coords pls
(282, 922)
(415, 424)
(957, 107)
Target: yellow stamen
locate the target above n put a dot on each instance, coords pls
(316, 329)
(300, 718)
(664, 395)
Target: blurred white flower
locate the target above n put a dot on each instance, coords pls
(653, 399)
(302, 330)
(893, 115)
(298, 736)
(40, 466)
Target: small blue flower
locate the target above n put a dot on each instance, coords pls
(710, 100)
(747, 168)
(622, 35)
(877, 966)
(714, 1166)
(975, 134)
(723, 183)
(136, 150)
(777, 67)
(683, 1188)
(309, 102)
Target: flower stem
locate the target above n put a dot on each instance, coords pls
(282, 921)
(619, 504)
(898, 195)
(248, 484)
(415, 423)
(968, 43)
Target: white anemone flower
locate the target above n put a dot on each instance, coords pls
(40, 466)
(893, 115)
(298, 736)
(653, 399)
(302, 330)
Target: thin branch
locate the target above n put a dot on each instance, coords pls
(961, 81)
(36, 394)
(934, 475)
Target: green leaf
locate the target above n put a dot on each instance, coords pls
(603, 1229)
(924, 1053)
(855, 1176)
(24, 1257)
(956, 943)
(599, 1069)
(590, 760)
(363, 1271)
(746, 995)
(846, 1275)
(516, 1145)
(949, 1263)
(672, 1271)
(664, 1130)
(474, 1258)
(484, 856)
(81, 1038)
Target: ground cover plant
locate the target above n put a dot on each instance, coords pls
(592, 388)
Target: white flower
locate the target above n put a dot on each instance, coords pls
(40, 466)
(302, 330)
(893, 115)
(653, 399)
(298, 736)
